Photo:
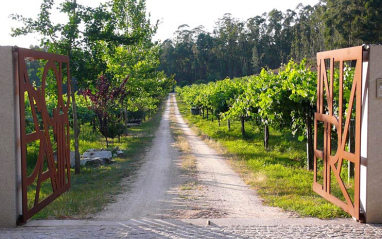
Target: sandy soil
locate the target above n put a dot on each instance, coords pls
(157, 190)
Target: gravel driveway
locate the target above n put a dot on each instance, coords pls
(155, 193)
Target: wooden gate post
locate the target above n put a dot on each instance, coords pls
(371, 137)
(10, 169)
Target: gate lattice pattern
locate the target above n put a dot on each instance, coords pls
(335, 111)
(44, 128)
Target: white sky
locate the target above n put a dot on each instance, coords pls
(170, 13)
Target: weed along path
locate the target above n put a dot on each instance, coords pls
(166, 187)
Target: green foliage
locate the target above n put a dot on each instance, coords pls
(84, 112)
(351, 22)
(279, 100)
(106, 103)
(237, 48)
(283, 100)
(146, 87)
(97, 40)
(299, 85)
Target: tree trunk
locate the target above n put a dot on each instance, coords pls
(242, 126)
(94, 125)
(107, 142)
(203, 112)
(207, 113)
(266, 136)
(125, 116)
(229, 124)
(76, 130)
(310, 148)
(125, 119)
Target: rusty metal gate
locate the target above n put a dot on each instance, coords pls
(44, 101)
(339, 101)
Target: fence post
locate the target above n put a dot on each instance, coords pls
(371, 134)
(10, 172)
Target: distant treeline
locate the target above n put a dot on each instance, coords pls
(239, 48)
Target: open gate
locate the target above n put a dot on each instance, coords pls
(44, 128)
(339, 100)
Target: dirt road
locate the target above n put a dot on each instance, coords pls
(160, 203)
(157, 193)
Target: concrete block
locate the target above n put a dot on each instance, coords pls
(371, 176)
(8, 153)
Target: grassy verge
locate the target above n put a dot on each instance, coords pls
(97, 185)
(278, 173)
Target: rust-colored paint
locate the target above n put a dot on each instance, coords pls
(332, 164)
(48, 130)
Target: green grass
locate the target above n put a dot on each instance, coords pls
(279, 173)
(97, 185)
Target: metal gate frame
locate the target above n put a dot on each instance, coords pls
(325, 114)
(58, 172)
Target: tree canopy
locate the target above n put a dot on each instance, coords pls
(239, 48)
(107, 45)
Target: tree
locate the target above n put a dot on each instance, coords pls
(105, 102)
(50, 38)
(338, 19)
(227, 31)
(275, 19)
(368, 21)
(113, 24)
(353, 22)
(239, 48)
